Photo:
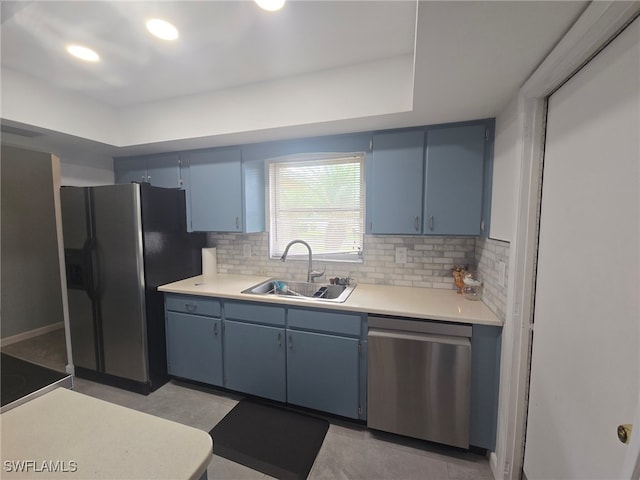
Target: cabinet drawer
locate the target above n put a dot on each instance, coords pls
(196, 305)
(340, 323)
(254, 313)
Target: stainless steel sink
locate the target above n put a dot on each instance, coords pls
(313, 292)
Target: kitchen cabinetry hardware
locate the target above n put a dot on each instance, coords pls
(454, 165)
(192, 351)
(624, 433)
(394, 188)
(431, 222)
(417, 223)
(243, 357)
(237, 223)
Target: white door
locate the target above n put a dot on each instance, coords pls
(585, 359)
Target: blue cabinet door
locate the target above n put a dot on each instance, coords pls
(323, 373)
(194, 347)
(254, 359)
(215, 190)
(454, 180)
(164, 170)
(129, 170)
(485, 382)
(395, 183)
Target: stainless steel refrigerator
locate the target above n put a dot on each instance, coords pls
(121, 242)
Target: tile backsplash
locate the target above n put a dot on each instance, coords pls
(488, 255)
(429, 261)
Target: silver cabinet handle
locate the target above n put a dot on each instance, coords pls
(370, 226)
(417, 223)
(280, 340)
(190, 307)
(237, 223)
(431, 222)
(290, 342)
(215, 329)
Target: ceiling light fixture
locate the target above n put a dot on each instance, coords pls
(162, 29)
(83, 53)
(270, 5)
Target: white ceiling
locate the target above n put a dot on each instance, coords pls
(466, 59)
(221, 44)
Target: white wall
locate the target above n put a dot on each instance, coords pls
(31, 285)
(363, 90)
(83, 174)
(32, 102)
(505, 158)
(360, 91)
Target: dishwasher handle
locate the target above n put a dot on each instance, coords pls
(419, 337)
(419, 326)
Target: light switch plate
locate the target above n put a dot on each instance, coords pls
(246, 250)
(401, 254)
(502, 274)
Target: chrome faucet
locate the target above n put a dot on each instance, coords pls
(310, 273)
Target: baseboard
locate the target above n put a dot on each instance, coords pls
(30, 334)
(493, 464)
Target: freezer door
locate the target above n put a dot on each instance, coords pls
(118, 234)
(77, 252)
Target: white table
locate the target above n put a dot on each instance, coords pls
(85, 438)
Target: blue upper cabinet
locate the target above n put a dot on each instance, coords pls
(162, 170)
(454, 178)
(225, 194)
(215, 190)
(394, 187)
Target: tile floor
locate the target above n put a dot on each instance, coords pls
(349, 451)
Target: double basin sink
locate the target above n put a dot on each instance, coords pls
(313, 292)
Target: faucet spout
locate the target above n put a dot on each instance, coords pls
(310, 273)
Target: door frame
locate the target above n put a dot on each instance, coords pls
(598, 24)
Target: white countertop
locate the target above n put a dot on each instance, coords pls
(98, 439)
(412, 302)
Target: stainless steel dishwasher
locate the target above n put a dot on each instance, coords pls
(419, 379)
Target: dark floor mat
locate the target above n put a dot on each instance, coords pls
(272, 440)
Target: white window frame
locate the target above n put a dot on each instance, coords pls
(275, 247)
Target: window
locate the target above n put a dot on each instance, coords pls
(319, 199)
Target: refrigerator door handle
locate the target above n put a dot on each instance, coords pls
(91, 270)
(87, 270)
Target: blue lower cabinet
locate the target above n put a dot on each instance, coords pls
(254, 359)
(194, 347)
(323, 373)
(485, 381)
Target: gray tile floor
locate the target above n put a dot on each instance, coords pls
(349, 451)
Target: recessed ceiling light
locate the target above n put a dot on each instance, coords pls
(83, 53)
(162, 29)
(270, 5)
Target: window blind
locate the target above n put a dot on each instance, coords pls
(318, 199)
